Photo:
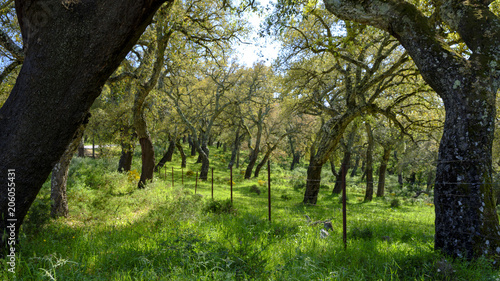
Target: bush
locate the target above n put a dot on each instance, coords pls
(218, 206)
(255, 189)
(297, 184)
(395, 203)
(286, 197)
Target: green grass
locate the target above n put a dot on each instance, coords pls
(118, 232)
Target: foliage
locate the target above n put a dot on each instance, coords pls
(219, 207)
(116, 232)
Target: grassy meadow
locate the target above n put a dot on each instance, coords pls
(118, 232)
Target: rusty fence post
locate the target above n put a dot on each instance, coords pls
(344, 207)
(231, 183)
(269, 187)
(196, 183)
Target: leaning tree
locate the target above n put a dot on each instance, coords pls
(457, 50)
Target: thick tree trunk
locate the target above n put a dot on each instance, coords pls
(69, 55)
(466, 219)
(59, 178)
(313, 183)
(369, 164)
(381, 172)
(148, 162)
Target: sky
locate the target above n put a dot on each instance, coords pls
(257, 49)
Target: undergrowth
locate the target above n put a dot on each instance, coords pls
(118, 232)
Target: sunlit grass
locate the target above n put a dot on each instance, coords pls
(118, 232)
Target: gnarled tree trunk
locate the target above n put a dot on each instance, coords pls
(69, 55)
(466, 219)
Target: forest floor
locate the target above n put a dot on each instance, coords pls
(118, 232)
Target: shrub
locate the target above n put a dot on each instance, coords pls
(286, 197)
(255, 189)
(297, 184)
(218, 206)
(395, 203)
(189, 173)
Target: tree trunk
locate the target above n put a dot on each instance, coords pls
(148, 161)
(203, 151)
(69, 55)
(356, 165)
(236, 147)
(254, 153)
(430, 179)
(59, 178)
(337, 189)
(295, 160)
(466, 219)
(313, 183)
(125, 162)
(381, 172)
(369, 164)
(183, 155)
(329, 137)
(167, 156)
(262, 163)
(127, 154)
(81, 148)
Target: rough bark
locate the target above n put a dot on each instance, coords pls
(369, 164)
(466, 219)
(382, 170)
(69, 54)
(148, 162)
(59, 178)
